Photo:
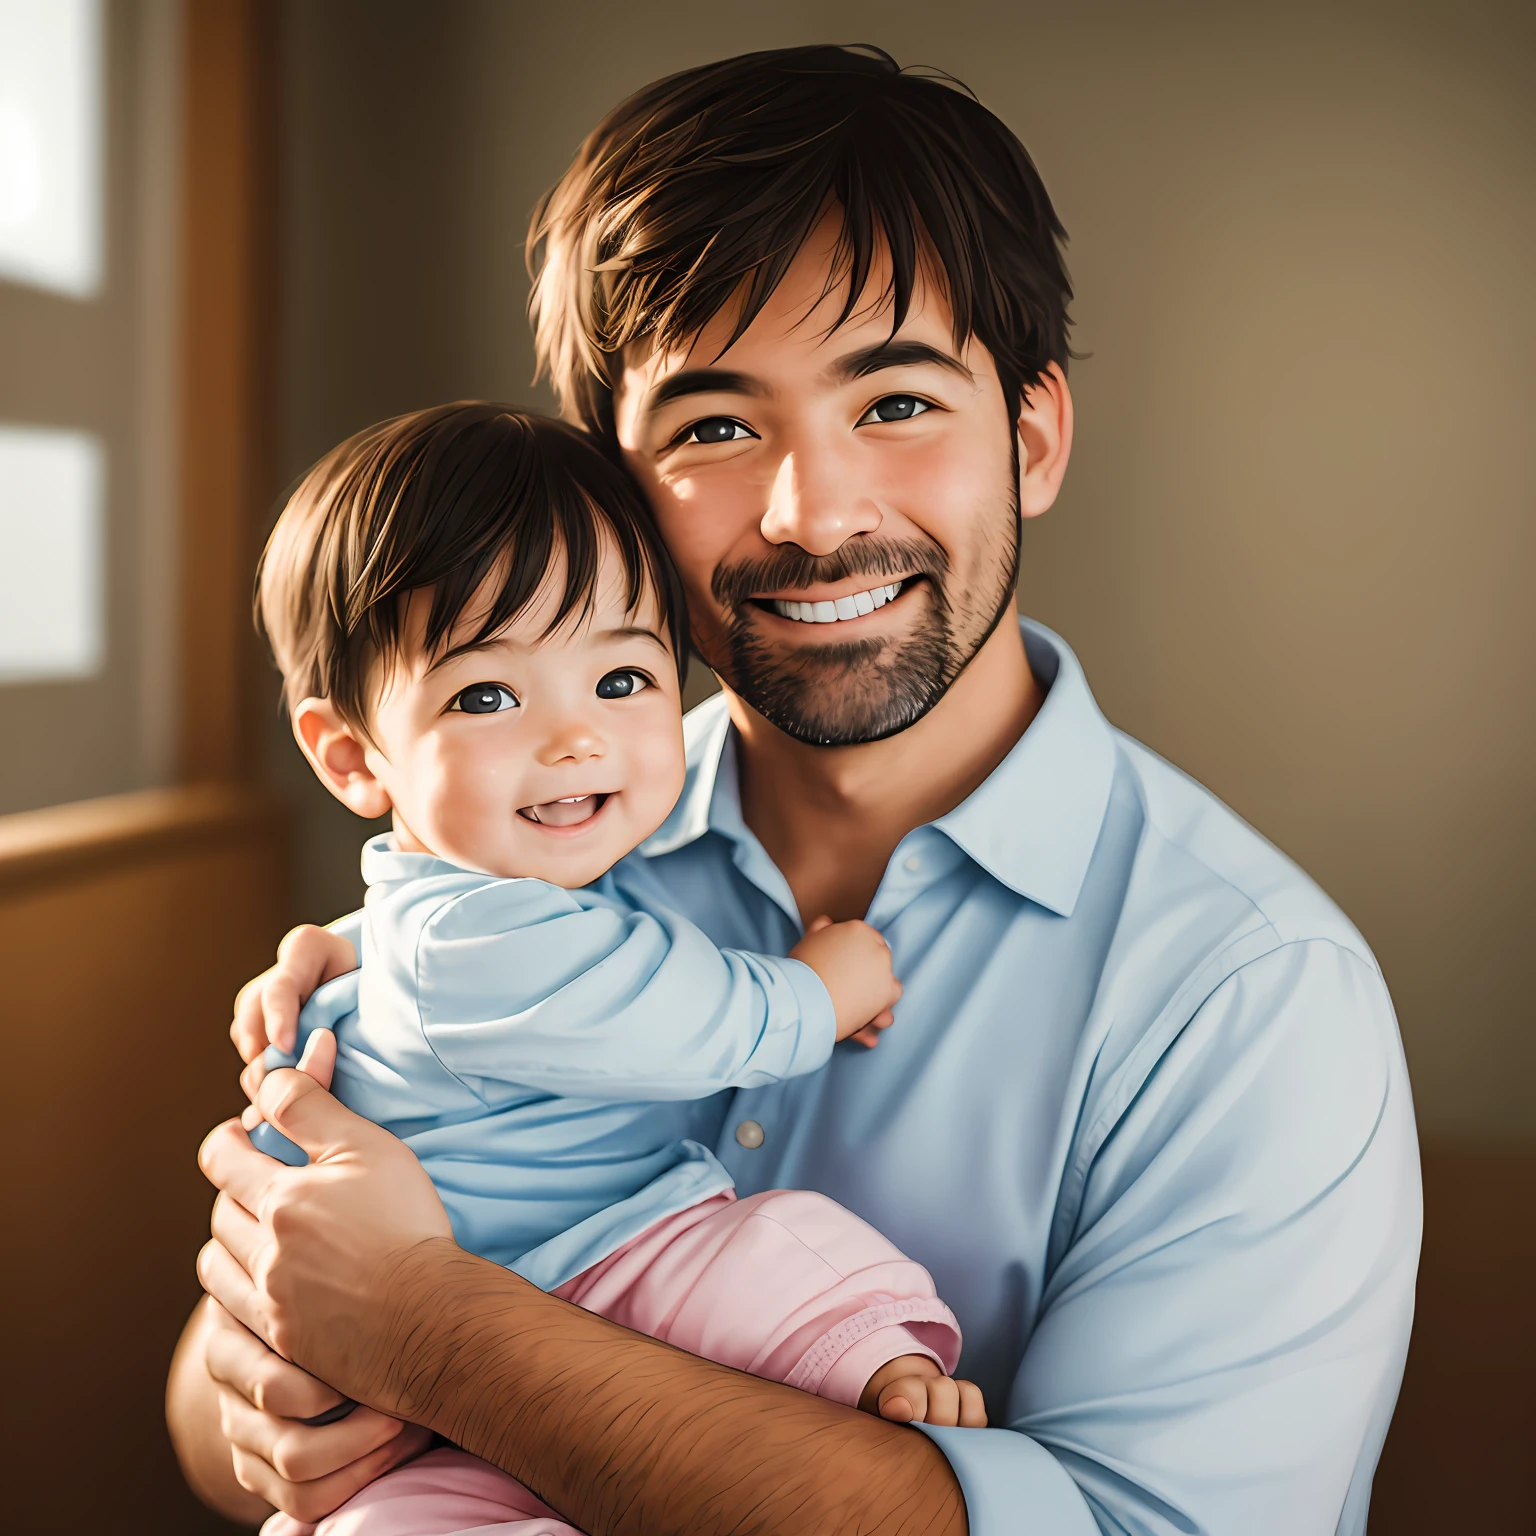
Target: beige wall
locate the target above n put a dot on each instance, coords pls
(1293, 547)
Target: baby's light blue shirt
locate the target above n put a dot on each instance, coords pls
(540, 1051)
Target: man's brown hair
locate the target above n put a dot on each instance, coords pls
(698, 192)
(447, 499)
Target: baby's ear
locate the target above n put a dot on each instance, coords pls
(339, 757)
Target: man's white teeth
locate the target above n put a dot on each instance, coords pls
(851, 607)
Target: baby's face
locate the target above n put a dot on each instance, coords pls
(533, 755)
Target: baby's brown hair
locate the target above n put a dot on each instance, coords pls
(445, 499)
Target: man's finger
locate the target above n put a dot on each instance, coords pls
(230, 1286)
(238, 1232)
(314, 1500)
(230, 1163)
(236, 1358)
(319, 1058)
(297, 1452)
(308, 1116)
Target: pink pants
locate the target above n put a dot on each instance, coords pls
(786, 1285)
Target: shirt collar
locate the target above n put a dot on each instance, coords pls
(1032, 824)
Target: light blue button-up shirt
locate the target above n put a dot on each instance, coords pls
(1143, 1114)
(543, 1052)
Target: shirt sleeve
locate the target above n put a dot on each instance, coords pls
(1225, 1319)
(522, 986)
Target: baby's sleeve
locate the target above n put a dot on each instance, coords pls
(522, 984)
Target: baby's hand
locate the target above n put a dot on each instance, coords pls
(267, 1009)
(912, 1390)
(854, 964)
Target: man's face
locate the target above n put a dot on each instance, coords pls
(842, 504)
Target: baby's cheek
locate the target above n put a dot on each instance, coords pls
(465, 796)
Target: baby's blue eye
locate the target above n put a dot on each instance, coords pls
(620, 685)
(484, 699)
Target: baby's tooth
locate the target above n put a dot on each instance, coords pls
(864, 602)
(846, 608)
(824, 613)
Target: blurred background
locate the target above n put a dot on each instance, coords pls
(1293, 552)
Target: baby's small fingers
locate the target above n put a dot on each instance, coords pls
(248, 1029)
(973, 1410)
(868, 1036)
(280, 1004)
(943, 1401)
(251, 1076)
(905, 1400)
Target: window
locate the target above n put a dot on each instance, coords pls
(88, 159)
(50, 144)
(50, 531)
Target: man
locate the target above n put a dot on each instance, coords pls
(1144, 1113)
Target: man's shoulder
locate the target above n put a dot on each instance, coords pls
(1192, 842)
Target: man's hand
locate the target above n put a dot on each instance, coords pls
(267, 1009)
(300, 1256)
(854, 964)
(304, 1471)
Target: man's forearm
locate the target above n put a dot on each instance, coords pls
(192, 1416)
(622, 1434)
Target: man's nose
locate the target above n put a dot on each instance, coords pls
(817, 502)
(572, 737)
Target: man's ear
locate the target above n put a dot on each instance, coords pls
(339, 757)
(1045, 441)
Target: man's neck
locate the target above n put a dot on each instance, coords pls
(830, 817)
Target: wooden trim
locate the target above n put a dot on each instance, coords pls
(227, 371)
(91, 837)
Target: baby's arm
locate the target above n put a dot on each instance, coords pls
(854, 964)
(522, 984)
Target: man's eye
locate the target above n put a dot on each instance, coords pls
(484, 699)
(620, 685)
(894, 408)
(716, 429)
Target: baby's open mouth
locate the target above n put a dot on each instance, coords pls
(569, 812)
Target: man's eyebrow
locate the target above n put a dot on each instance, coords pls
(895, 354)
(702, 381)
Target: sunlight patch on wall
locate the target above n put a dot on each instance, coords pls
(52, 600)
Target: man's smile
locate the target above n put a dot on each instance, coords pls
(834, 607)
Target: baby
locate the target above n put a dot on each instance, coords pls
(480, 632)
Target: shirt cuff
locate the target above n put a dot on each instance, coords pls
(1012, 1483)
(818, 1019)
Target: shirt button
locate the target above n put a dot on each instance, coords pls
(749, 1134)
(913, 863)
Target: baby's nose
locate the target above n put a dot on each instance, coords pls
(570, 740)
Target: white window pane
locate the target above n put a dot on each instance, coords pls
(51, 598)
(50, 143)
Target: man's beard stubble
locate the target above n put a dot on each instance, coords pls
(844, 693)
